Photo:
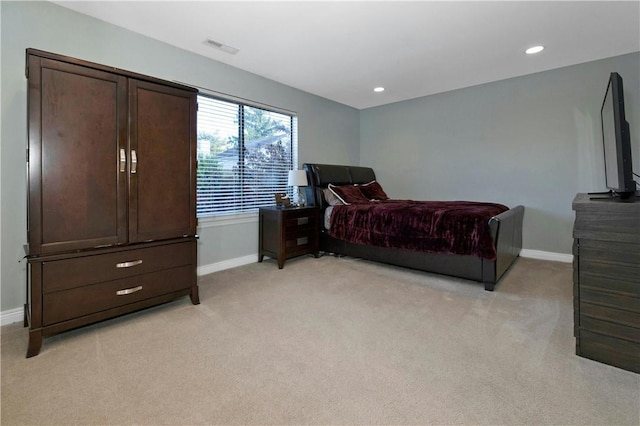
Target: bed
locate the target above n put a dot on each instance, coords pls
(496, 231)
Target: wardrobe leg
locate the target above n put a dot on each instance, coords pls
(195, 297)
(35, 343)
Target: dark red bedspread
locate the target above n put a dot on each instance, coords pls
(457, 227)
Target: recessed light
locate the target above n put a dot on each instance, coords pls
(534, 49)
(378, 89)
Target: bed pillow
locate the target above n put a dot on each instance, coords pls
(348, 194)
(331, 198)
(373, 191)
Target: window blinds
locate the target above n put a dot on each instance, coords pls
(244, 155)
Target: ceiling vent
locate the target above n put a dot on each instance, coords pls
(221, 46)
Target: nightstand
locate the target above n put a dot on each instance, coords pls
(288, 232)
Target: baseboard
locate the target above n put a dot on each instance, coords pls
(227, 264)
(11, 316)
(546, 255)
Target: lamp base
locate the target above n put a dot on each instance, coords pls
(302, 197)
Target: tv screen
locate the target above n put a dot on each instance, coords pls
(616, 141)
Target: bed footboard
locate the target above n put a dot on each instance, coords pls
(506, 231)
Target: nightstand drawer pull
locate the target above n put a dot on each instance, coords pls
(128, 291)
(302, 241)
(303, 220)
(128, 264)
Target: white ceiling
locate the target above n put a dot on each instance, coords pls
(341, 50)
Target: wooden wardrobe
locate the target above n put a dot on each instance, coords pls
(112, 201)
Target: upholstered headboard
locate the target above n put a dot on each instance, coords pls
(321, 175)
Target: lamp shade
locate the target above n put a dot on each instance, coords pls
(297, 178)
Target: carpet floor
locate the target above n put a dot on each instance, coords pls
(327, 341)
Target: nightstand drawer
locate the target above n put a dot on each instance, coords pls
(296, 222)
(299, 245)
(297, 242)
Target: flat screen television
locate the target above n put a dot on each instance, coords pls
(616, 141)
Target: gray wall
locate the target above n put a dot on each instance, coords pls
(328, 131)
(533, 140)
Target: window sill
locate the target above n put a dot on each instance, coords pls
(225, 220)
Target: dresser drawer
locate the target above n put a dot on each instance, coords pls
(610, 350)
(611, 300)
(616, 253)
(608, 225)
(609, 285)
(619, 331)
(606, 271)
(70, 273)
(89, 299)
(611, 315)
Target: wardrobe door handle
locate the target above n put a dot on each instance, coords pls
(123, 160)
(128, 291)
(134, 161)
(128, 264)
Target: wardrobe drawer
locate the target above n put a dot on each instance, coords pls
(79, 271)
(89, 299)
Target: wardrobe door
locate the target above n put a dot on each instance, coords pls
(162, 178)
(77, 182)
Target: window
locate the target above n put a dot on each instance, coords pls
(244, 155)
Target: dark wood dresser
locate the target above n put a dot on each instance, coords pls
(288, 232)
(607, 280)
(111, 202)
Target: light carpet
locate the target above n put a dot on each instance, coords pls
(327, 341)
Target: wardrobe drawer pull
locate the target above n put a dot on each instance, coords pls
(303, 221)
(302, 241)
(128, 264)
(128, 291)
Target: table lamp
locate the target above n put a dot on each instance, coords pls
(298, 178)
